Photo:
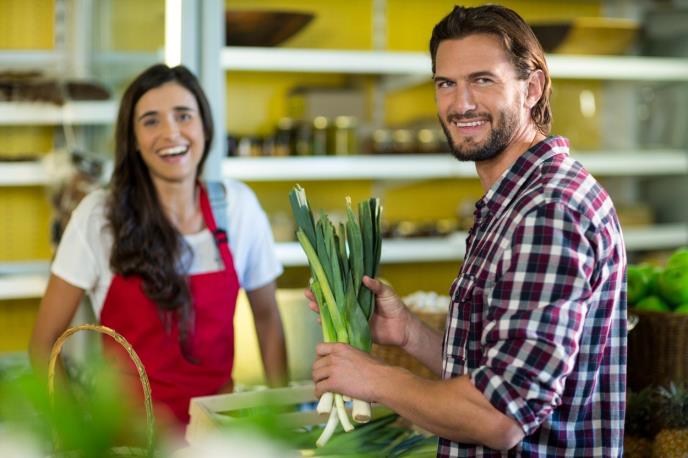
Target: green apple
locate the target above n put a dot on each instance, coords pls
(638, 283)
(653, 273)
(652, 303)
(673, 284)
(678, 259)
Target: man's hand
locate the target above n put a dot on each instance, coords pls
(340, 368)
(390, 322)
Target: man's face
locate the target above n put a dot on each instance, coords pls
(480, 101)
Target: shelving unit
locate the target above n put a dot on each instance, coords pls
(27, 279)
(417, 63)
(40, 113)
(29, 59)
(31, 282)
(401, 69)
(426, 166)
(30, 173)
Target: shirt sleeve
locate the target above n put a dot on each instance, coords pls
(250, 238)
(75, 259)
(536, 312)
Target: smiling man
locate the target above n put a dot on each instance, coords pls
(533, 358)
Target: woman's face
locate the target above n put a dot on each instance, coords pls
(169, 132)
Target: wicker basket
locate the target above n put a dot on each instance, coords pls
(150, 419)
(395, 356)
(658, 349)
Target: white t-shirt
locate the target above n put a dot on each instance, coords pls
(83, 256)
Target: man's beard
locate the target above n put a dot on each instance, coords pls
(499, 138)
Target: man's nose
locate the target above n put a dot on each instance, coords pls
(464, 99)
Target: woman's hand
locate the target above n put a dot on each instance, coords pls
(389, 324)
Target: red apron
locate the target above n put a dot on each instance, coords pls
(173, 379)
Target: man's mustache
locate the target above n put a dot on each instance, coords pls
(467, 116)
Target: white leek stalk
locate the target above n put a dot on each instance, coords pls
(325, 403)
(361, 411)
(341, 413)
(329, 428)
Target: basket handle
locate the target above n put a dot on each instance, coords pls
(55, 352)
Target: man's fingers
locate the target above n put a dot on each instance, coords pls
(324, 348)
(377, 287)
(309, 294)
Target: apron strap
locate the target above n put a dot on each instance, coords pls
(209, 212)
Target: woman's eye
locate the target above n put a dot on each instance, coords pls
(150, 122)
(184, 116)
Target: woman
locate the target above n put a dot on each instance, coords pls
(155, 262)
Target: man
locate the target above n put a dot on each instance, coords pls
(533, 359)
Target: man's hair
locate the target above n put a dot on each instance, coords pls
(516, 36)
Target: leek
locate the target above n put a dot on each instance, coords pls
(339, 257)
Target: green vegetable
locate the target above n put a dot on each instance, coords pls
(339, 257)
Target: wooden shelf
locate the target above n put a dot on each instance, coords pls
(30, 173)
(40, 113)
(28, 280)
(29, 59)
(22, 286)
(621, 68)
(452, 248)
(417, 167)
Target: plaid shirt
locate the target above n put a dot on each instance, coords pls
(538, 313)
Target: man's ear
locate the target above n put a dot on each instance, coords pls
(534, 88)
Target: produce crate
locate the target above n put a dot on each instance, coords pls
(395, 356)
(295, 410)
(658, 349)
(208, 413)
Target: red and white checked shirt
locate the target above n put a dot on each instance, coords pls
(538, 313)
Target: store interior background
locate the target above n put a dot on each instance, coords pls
(610, 120)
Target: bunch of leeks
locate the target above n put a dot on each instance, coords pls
(339, 257)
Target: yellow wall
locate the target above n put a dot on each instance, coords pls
(16, 321)
(337, 24)
(26, 24)
(410, 22)
(137, 25)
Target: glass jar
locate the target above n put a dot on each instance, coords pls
(382, 142)
(319, 143)
(283, 140)
(344, 136)
(402, 141)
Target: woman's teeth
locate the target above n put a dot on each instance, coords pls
(174, 151)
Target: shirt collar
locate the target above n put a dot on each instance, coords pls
(509, 183)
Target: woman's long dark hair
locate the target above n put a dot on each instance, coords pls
(146, 244)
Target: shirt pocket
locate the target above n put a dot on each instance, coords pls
(458, 321)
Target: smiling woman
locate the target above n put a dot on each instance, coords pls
(169, 132)
(160, 264)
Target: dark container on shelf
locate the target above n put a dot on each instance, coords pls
(320, 143)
